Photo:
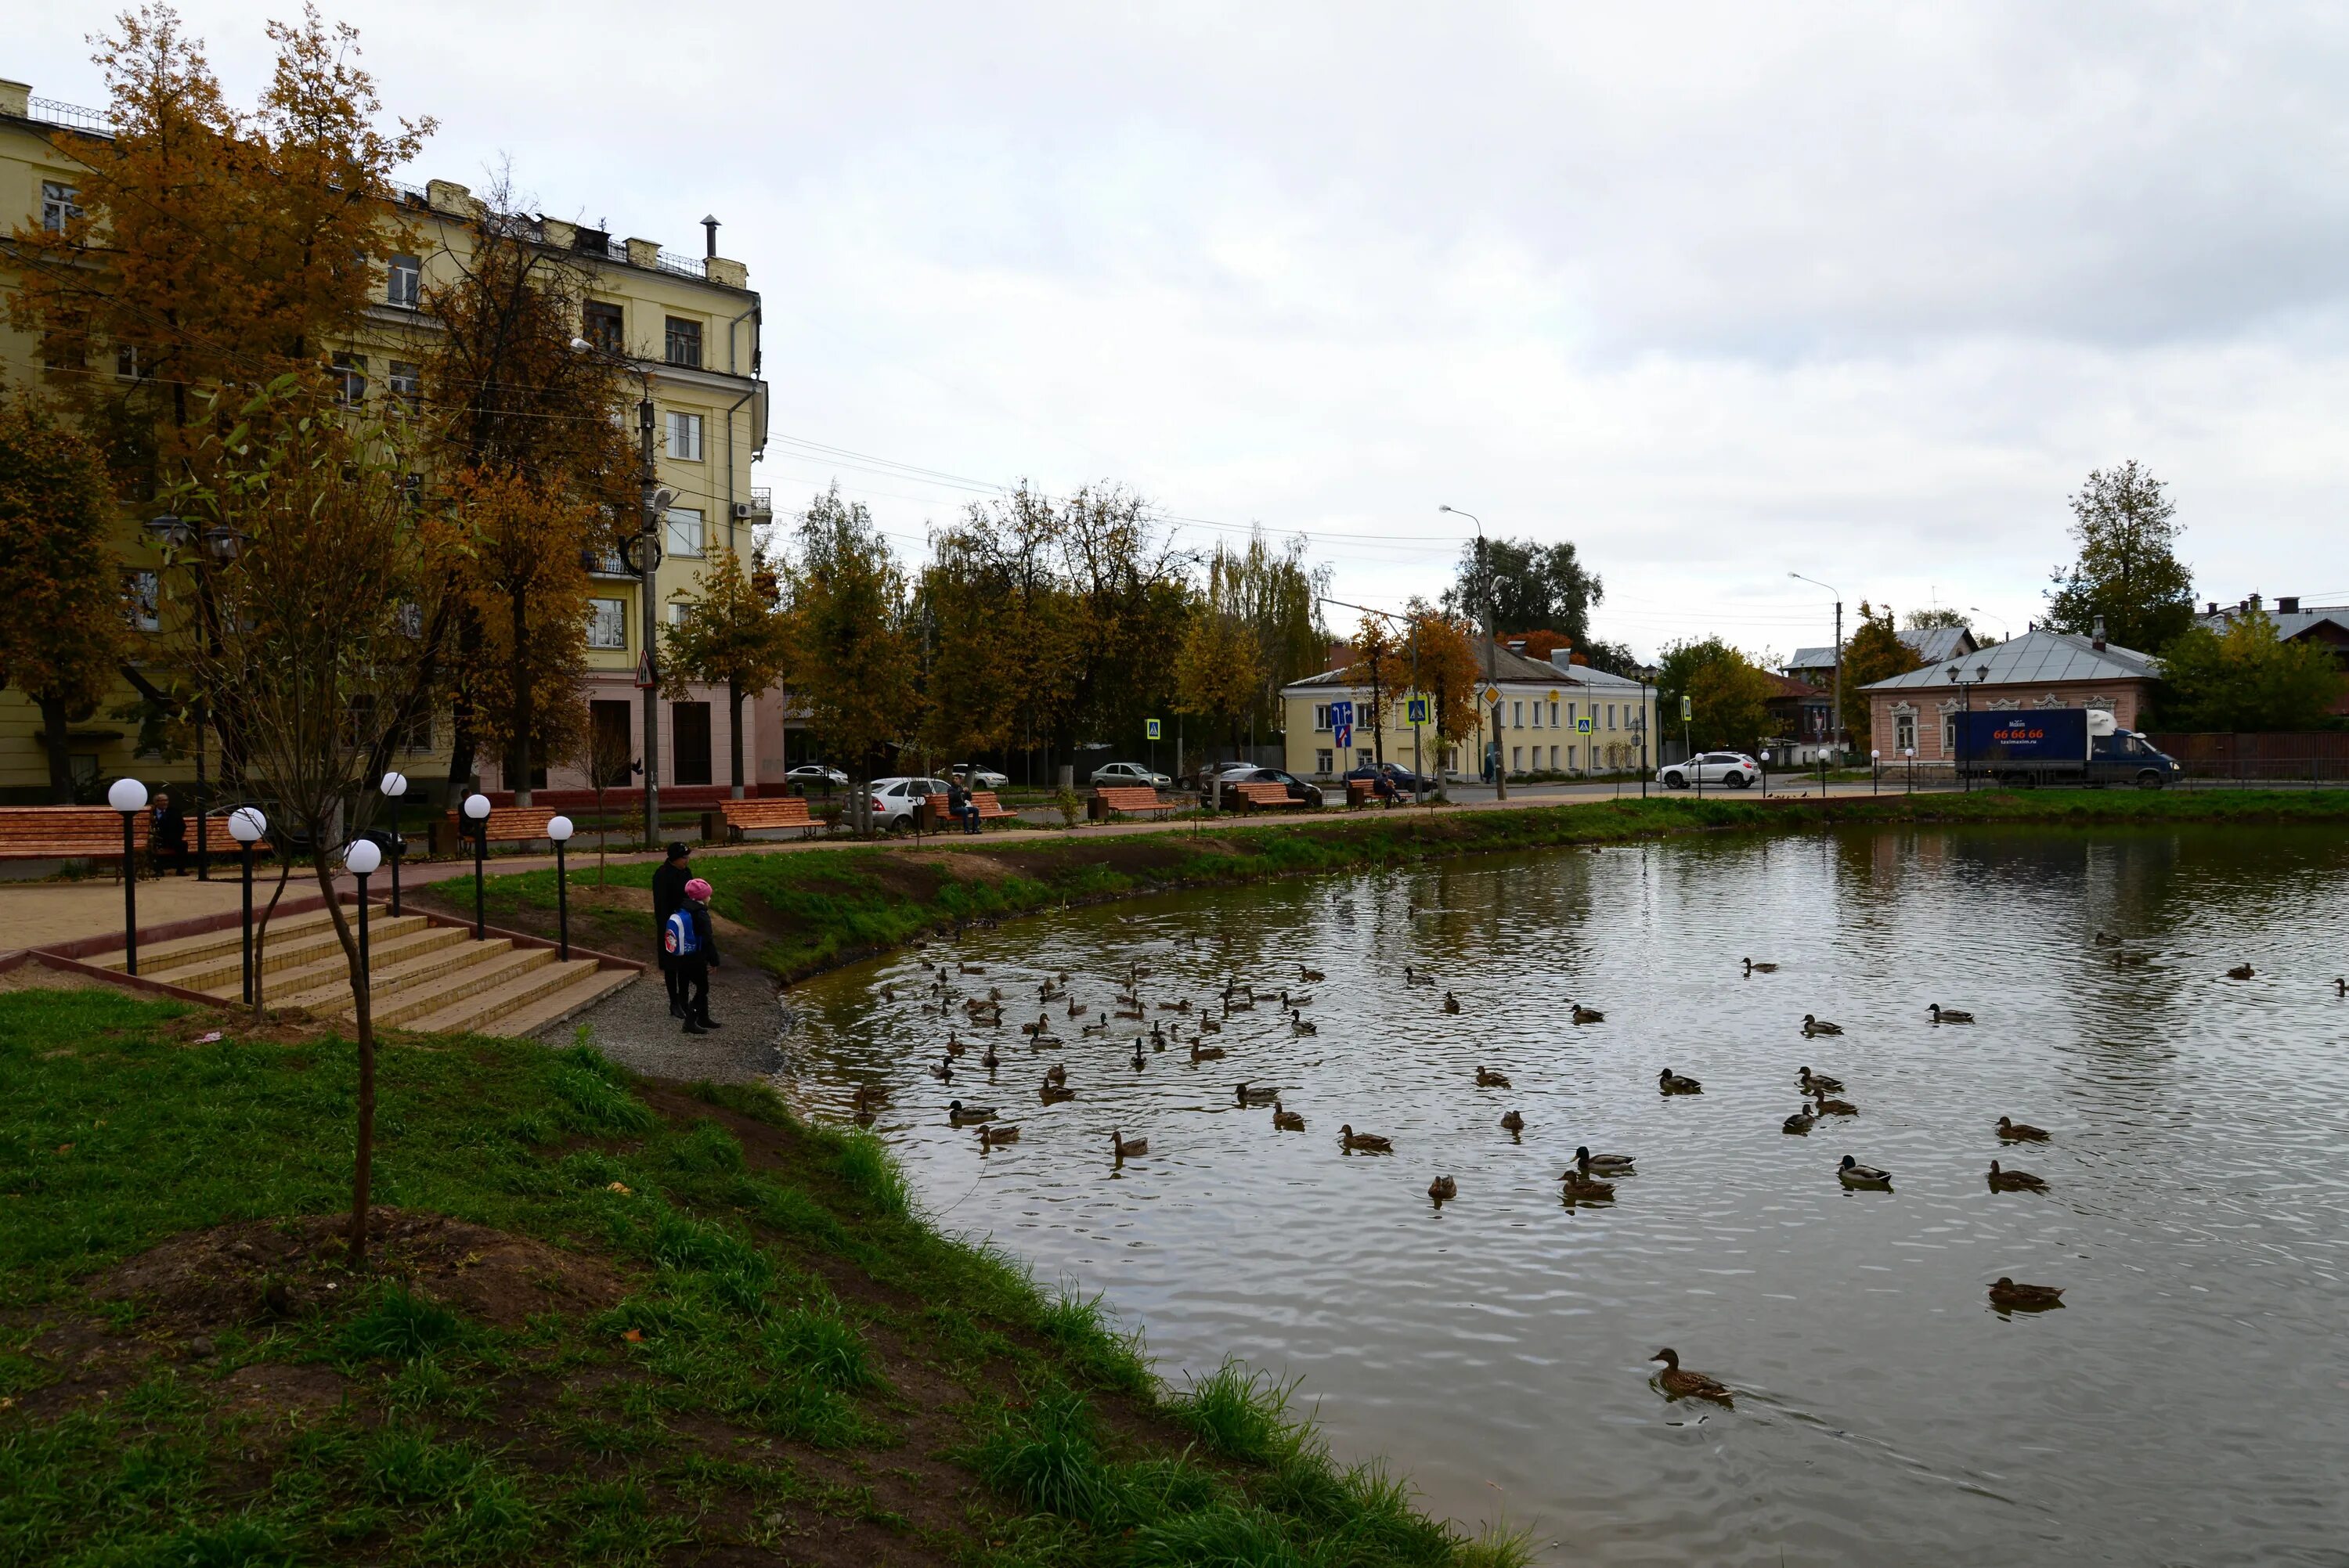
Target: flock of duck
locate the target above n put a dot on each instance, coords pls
(1592, 1178)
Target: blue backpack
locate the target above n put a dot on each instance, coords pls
(681, 938)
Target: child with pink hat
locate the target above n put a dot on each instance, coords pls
(691, 948)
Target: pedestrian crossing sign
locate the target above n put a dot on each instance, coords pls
(1416, 710)
(1582, 726)
(1150, 729)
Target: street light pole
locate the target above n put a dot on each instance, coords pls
(476, 813)
(1834, 730)
(1500, 756)
(558, 829)
(245, 825)
(395, 790)
(129, 796)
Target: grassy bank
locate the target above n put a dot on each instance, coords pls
(815, 908)
(608, 1322)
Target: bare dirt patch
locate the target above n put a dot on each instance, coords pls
(274, 1268)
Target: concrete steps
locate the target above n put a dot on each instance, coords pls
(424, 977)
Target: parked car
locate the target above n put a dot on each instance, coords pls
(1730, 769)
(976, 777)
(1215, 772)
(812, 775)
(1298, 790)
(894, 801)
(1402, 779)
(1129, 775)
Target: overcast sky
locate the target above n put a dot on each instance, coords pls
(1716, 292)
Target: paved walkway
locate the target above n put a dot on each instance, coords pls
(32, 914)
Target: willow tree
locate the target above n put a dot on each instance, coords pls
(330, 617)
(64, 632)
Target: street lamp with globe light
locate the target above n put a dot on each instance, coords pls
(246, 825)
(129, 797)
(476, 813)
(394, 789)
(558, 832)
(360, 858)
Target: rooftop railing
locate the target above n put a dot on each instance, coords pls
(52, 112)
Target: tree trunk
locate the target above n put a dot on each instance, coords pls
(518, 736)
(734, 708)
(53, 736)
(363, 1015)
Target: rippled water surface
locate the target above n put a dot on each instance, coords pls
(2189, 1404)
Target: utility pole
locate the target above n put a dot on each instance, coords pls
(1492, 645)
(1835, 729)
(648, 554)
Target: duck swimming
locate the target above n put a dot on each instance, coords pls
(1200, 1053)
(1582, 1015)
(1589, 1164)
(943, 1071)
(1417, 976)
(1754, 968)
(996, 1137)
(1512, 1122)
(1949, 1014)
(1442, 1189)
(1298, 1025)
(1820, 1026)
(1451, 1003)
(2009, 1296)
(1818, 1083)
(1852, 1173)
(1286, 1120)
(1671, 1082)
(1800, 1122)
(1364, 1142)
(1128, 1148)
(1247, 1095)
(2014, 1180)
(1488, 1079)
(2021, 1131)
(959, 1113)
(1679, 1383)
(2240, 971)
(1826, 1107)
(1574, 1187)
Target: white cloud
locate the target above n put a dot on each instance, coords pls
(1716, 291)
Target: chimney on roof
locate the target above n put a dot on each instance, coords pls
(2254, 601)
(2214, 607)
(709, 227)
(2287, 604)
(2096, 638)
(1515, 645)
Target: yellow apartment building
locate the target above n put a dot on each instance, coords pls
(690, 323)
(1547, 718)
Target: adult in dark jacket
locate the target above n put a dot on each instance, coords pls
(693, 965)
(668, 896)
(167, 838)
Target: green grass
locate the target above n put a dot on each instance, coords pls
(773, 1278)
(816, 908)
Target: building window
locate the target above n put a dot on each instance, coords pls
(688, 730)
(1323, 761)
(1516, 716)
(601, 323)
(608, 622)
(404, 288)
(685, 436)
(60, 205)
(350, 377)
(143, 600)
(684, 343)
(406, 384)
(1553, 715)
(1904, 732)
(680, 612)
(418, 736)
(1948, 735)
(1516, 759)
(1321, 716)
(684, 531)
(1363, 758)
(125, 363)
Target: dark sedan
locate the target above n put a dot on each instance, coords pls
(1402, 779)
(1298, 790)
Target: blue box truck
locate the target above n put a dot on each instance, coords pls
(2058, 746)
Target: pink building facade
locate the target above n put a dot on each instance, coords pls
(2040, 669)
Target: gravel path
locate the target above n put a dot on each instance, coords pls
(632, 1027)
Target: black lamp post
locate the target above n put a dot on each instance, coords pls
(1875, 772)
(129, 797)
(360, 858)
(558, 830)
(395, 790)
(1966, 689)
(245, 825)
(477, 814)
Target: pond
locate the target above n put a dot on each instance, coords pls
(2189, 1402)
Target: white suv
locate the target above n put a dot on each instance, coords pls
(1730, 769)
(894, 801)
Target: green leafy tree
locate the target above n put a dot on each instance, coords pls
(1939, 616)
(1728, 694)
(2127, 576)
(2247, 678)
(849, 657)
(1547, 587)
(64, 632)
(736, 637)
(1874, 653)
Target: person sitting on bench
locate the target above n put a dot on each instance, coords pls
(960, 805)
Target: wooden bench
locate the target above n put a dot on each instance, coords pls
(990, 810)
(220, 841)
(734, 819)
(504, 825)
(68, 832)
(1135, 800)
(1257, 797)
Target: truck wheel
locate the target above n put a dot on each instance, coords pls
(2150, 779)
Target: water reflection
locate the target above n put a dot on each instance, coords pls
(2186, 1406)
